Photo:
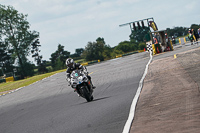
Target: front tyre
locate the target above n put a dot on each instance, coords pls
(92, 97)
(87, 94)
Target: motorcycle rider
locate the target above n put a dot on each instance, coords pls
(73, 66)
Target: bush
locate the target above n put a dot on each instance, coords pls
(142, 46)
(116, 53)
(50, 69)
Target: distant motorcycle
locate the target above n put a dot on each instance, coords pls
(81, 84)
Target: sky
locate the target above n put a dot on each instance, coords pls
(74, 23)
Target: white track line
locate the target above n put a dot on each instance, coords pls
(134, 102)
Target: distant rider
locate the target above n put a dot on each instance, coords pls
(73, 66)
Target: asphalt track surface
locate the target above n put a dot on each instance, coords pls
(51, 106)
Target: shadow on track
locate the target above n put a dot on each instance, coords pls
(98, 99)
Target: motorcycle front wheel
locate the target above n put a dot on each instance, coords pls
(87, 94)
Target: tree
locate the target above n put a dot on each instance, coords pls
(94, 50)
(127, 46)
(100, 40)
(5, 60)
(178, 31)
(35, 51)
(89, 51)
(59, 65)
(124, 46)
(139, 35)
(78, 53)
(107, 53)
(100, 45)
(38, 58)
(15, 34)
(195, 27)
(59, 57)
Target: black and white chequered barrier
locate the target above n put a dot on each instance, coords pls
(149, 47)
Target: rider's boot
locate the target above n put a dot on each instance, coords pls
(93, 87)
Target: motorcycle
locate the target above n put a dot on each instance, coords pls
(81, 84)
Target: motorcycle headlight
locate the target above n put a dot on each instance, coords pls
(80, 78)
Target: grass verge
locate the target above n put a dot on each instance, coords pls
(25, 82)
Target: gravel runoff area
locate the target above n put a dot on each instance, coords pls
(170, 99)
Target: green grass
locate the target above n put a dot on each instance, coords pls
(25, 82)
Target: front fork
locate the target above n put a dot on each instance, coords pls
(89, 86)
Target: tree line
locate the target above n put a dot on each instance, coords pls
(18, 42)
(97, 50)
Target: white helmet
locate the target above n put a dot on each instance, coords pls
(69, 61)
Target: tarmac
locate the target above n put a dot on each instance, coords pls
(170, 99)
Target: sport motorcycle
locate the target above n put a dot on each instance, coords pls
(81, 84)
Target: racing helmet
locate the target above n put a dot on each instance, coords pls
(69, 62)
